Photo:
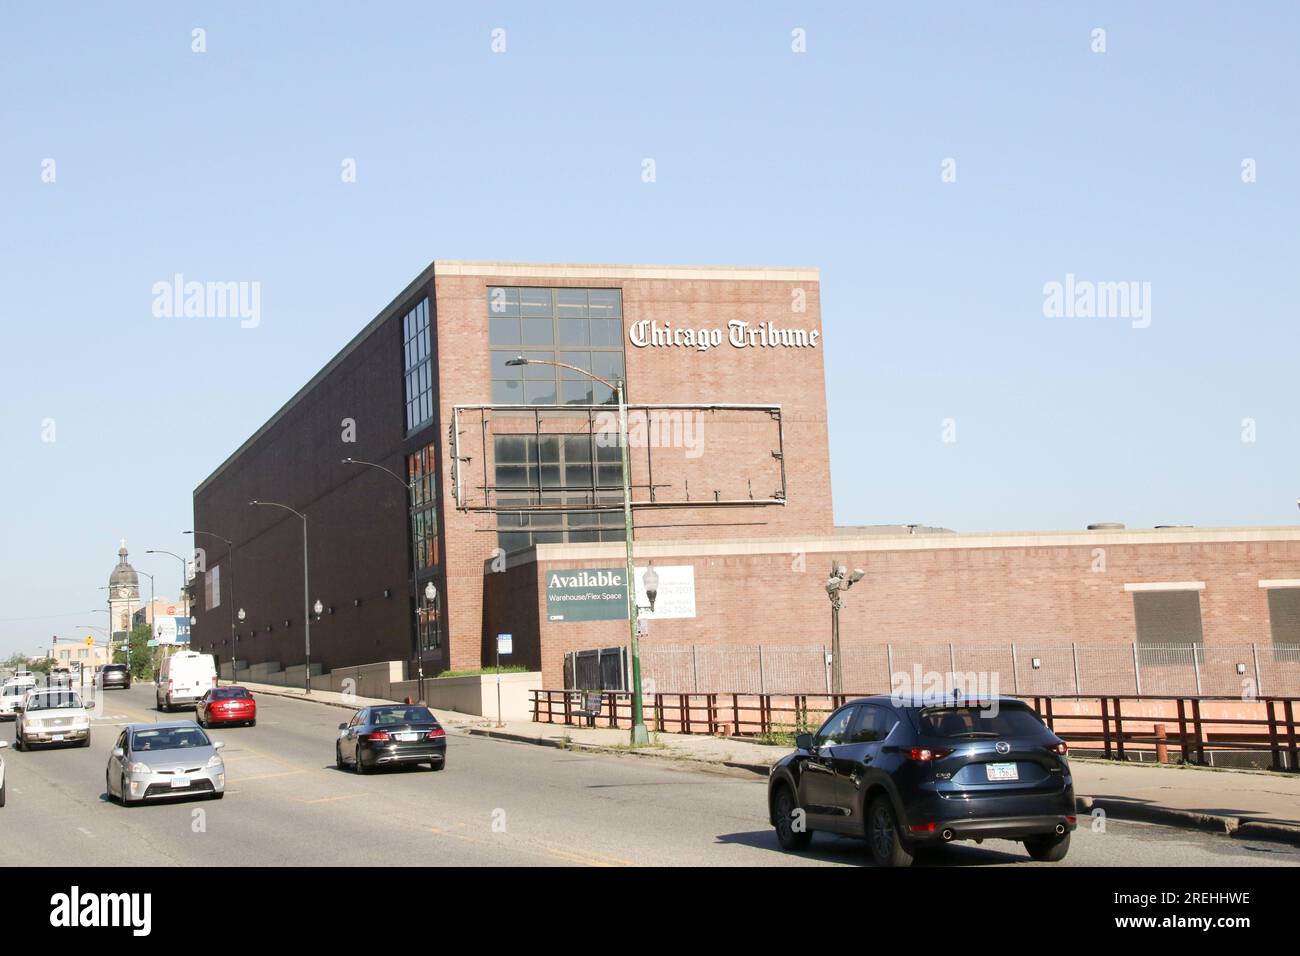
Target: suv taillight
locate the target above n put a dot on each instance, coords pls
(927, 754)
(436, 733)
(377, 735)
(1061, 749)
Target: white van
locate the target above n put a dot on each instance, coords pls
(185, 677)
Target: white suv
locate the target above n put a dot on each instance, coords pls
(12, 694)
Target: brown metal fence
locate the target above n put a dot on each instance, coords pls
(1117, 725)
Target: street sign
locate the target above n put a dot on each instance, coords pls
(505, 643)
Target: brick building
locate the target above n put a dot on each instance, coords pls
(500, 484)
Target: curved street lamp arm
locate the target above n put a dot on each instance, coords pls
(573, 368)
(388, 471)
(276, 504)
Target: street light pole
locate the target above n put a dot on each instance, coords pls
(230, 560)
(306, 600)
(185, 592)
(417, 645)
(840, 580)
(639, 735)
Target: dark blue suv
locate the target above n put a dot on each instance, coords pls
(905, 772)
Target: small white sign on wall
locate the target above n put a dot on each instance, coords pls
(676, 597)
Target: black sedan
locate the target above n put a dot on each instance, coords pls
(904, 773)
(115, 675)
(390, 734)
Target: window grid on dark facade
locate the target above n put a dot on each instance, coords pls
(418, 366)
(422, 474)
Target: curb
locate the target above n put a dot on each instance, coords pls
(759, 769)
(1229, 826)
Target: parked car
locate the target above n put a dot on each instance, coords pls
(391, 734)
(164, 760)
(114, 675)
(60, 675)
(904, 774)
(226, 705)
(52, 715)
(184, 678)
(12, 694)
(3, 745)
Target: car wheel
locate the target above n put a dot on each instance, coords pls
(884, 840)
(253, 722)
(1049, 848)
(86, 742)
(338, 757)
(437, 764)
(18, 741)
(121, 785)
(783, 812)
(357, 765)
(2, 794)
(218, 794)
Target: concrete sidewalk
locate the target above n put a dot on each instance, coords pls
(1241, 803)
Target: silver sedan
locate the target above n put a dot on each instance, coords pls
(164, 760)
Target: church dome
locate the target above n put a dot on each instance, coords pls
(123, 576)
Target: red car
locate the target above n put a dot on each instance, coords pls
(226, 705)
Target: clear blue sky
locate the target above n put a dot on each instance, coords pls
(226, 166)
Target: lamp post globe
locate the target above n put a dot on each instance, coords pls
(651, 581)
(242, 615)
(430, 592)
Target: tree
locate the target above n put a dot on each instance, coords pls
(141, 653)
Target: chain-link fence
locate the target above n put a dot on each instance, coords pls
(1230, 670)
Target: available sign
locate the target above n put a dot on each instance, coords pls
(586, 594)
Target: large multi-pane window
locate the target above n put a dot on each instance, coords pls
(580, 327)
(566, 487)
(418, 366)
(422, 473)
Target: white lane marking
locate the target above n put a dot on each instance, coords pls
(86, 832)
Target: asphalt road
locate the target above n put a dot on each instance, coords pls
(497, 803)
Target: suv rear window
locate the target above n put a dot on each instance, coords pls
(1009, 720)
(115, 667)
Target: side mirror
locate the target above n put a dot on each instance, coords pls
(3, 744)
(343, 726)
(218, 744)
(804, 741)
(89, 705)
(119, 753)
(19, 708)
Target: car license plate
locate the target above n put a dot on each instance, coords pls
(56, 737)
(1002, 771)
(406, 736)
(180, 782)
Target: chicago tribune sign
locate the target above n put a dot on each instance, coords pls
(647, 333)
